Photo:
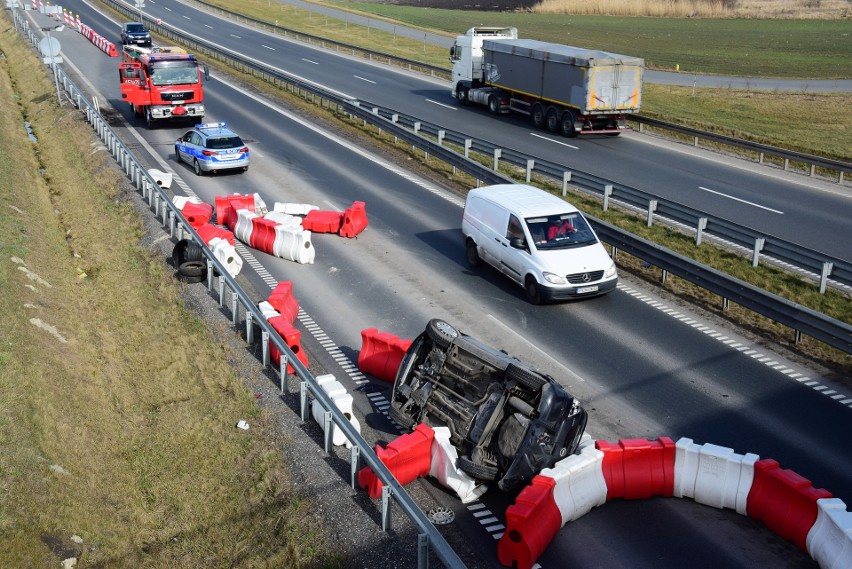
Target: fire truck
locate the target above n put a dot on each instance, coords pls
(161, 83)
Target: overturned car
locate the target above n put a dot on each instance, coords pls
(506, 420)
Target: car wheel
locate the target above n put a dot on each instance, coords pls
(197, 167)
(478, 471)
(245, 168)
(526, 377)
(404, 421)
(473, 258)
(537, 116)
(177, 154)
(441, 333)
(532, 289)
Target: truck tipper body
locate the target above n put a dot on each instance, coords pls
(561, 88)
(161, 83)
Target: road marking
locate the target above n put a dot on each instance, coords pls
(267, 47)
(555, 141)
(187, 17)
(442, 105)
(740, 200)
(167, 8)
(208, 26)
(363, 79)
(309, 61)
(236, 36)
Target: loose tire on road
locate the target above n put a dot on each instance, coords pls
(192, 271)
(186, 250)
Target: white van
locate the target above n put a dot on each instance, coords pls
(538, 240)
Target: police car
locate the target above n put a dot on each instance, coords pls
(212, 147)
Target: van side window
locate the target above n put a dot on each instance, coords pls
(515, 228)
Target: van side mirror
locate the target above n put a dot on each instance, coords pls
(518, 243)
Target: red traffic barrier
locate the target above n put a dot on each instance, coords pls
(531, 523)
(322, 221)
(281, 298)
(112, 51)
(638, 468)
(197, 214)
(381, 353)
(409, 457)
(263, 234)
(226, 208)
(354, 220)
(292, 337)
(784, 501)
(208, 232)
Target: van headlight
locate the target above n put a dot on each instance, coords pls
(553, 278)
(610, 272)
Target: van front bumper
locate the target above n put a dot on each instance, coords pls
(549, 294)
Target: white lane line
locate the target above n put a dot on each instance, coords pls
(554, 141)
(442, 105)
(208, 26)
(267, 47)
(309, 61)
(167, 8)
(364, 79)
(236, 36)
(187, 18)
(740, 200)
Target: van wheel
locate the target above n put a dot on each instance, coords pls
(479, 471)
(532, 289)
(537, 115)
(473, 258)
(552, 119)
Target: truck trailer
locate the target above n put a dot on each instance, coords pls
(161, 83)
(565, 89)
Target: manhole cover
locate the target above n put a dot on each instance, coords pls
(441, 516)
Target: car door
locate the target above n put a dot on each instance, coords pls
(493, 228)
(513, 260)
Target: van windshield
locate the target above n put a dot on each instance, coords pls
(560, 231)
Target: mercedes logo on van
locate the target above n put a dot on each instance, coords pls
(586, 277)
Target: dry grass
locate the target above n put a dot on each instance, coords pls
(757, 9)
(117, 410)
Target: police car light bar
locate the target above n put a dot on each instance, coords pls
(210, 125)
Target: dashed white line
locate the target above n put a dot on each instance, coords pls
(310, 61)
(364, 79)
(452, 108)
(236, 36)
(730, 197)
(208, 26)
(267, 47)
(555, 141)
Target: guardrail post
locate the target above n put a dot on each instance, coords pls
(180, 231)
(758, 247)
(468, 143)
(303, 399)
(422, 551)
(498, 153)
(441, 135)
(235, 304)
(209, 275)
(813, 170)
(264, 342)
(664, 275)
(530, 166)
(172, 219)
(221, 293)
(699, 231)
(797, 336)
(249, 327)
(386, 504)
(827, 267)
(652, 207)
(328, 430)
(566, 178)
(354, 457)
(607, 193)
(786, 164)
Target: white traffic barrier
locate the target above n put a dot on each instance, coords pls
(443, 468)
(830, 539)
(267, 310)
(293, 208)
(713, 475)
(580, 483)
(284, 219)
(293, 244)
(343, 400)
(227, 255)
(244, 225)
(163, 179)
(260, 205)
(181, 201)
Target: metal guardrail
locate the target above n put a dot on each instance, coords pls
(171, 217)
(835, 331)
(762, 150)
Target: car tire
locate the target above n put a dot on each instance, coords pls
(404, 421)
(177, 155)
(186, 250)
(441, 333)
(473, 258)
(478, 471)
(532, 290)
(526, 377)
(197, 167)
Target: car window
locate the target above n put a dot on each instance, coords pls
(560, 231)
(186, 137)
(222, 143)
(135, 28)
(515, 229)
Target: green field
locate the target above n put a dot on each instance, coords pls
(813, 49)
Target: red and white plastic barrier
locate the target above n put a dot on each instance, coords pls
(343, 400)
(227, 254)
(293, 244)
(348, 223)
(280, 310)
(227, 207)
(381, 353)
(408, 458)
(354, 220)
(713, 475)
(283, 300)
(830, 539)
(293, 208)
(444, 457)
(196, 212)
(99, 41)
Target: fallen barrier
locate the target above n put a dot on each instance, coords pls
(227, 207)
(243, 225)
(381, 353)
(227, 254)
(323, 221)
(535, 511)
(293, 208)
(293, 244)
(283, 301)
(293, 339)
(208, 232)
(408, 458)
(354, 220)
(343, 400)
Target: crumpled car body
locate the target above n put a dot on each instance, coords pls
(506, 420)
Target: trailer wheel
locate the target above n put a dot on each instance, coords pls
(537, 115)
(552, 119)
(567, 125)
(494, 104)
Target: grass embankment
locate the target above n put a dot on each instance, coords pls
(814, 123)
(117, 409)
